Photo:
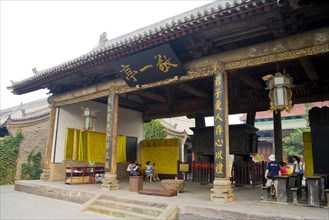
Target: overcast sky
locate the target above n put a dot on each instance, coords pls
(43, 34)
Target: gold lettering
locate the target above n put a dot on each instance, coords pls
(219, 143)
(145, 68)
(219, 168)
(164, 63)
(218, 105)
(219, 130)
(130, 74)
(218, 91)
(218, 117)
(219, 155)
(218, 80)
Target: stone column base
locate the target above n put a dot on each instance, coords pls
(110, 182)
(45, 174)
(222, 191)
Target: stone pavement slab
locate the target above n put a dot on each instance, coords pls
(20, 205)
(195, 202)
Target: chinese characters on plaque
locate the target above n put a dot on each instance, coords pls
(109, 127)
(219, 126)
(148, 66)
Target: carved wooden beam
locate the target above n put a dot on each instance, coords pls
(192, 90)
(309, 69)
(309, 43)
(251, 81)
(126, 103)
(153, 96)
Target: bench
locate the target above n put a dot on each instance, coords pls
(158, 192)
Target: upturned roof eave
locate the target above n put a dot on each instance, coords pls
(137, 37)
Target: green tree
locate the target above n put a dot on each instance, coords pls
(293, 144)
(8, 157)
(154, 130)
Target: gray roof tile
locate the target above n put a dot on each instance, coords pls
(167, 25)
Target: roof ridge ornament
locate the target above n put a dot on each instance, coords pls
(35, 71)
(101, 42)
(102, 39)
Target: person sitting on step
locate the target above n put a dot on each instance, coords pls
(132, 169)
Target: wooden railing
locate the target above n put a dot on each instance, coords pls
(247, 173)
(242, 173)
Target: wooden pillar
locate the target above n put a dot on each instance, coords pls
(251, 116)
(47, 157)
(222, 191)
(110, 181)
(277, 136)
(200, 121)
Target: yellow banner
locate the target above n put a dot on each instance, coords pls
(165, 153)
(308, 154)
(121, 149)
(69, 144)
(85, 146)
(96, 147)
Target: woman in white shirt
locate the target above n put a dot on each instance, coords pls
(298, 166)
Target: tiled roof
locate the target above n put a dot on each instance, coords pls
(158, 33)
(33, 117)
(25, 112)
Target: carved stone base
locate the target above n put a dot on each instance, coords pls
(110, 182)
(222, 191)
(45, 174)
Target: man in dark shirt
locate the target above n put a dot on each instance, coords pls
(272, 170)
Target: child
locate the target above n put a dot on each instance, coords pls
(155, 174)
(149, 171)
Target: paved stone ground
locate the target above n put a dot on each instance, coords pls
(20, 205)
(194, 203)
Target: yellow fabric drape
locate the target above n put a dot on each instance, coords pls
(85, 146)
(69, 144)
(76, 143)
(164, 153)
(308, 154)
(121, 149)
(96, 145)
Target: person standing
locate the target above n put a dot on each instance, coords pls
(298, 170)
(272, 170)
(298, 166)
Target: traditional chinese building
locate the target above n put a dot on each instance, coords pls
(297, 118)
(209, 61)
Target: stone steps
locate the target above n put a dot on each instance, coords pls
(130, 209)
(120, 213)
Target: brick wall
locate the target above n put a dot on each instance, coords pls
(35, 135)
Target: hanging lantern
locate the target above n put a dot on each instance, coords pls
(89, 118)
(280, 93)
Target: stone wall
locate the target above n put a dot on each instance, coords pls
(35, 135)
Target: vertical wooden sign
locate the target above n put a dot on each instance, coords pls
(109, 128)
(219, 126)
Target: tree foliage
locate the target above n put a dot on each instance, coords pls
(154, 130)
(8, 158)
(293, 144)
(259, 157)
(33, 168)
